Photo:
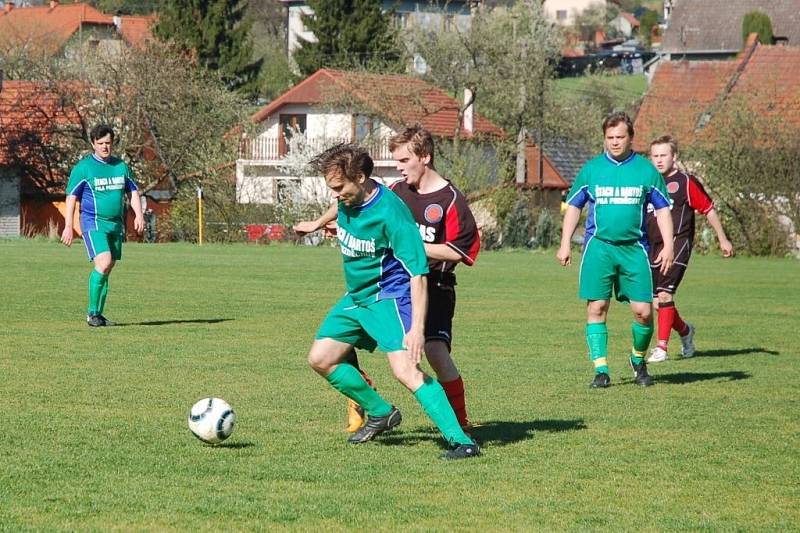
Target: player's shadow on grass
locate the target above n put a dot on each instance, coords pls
(724, 352)
(496, 433)
(167, 322)
(500, 433)
(692, 377)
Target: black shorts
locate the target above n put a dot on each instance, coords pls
(441, 307)
(669, 282)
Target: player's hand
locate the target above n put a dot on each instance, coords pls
(66, 235)
(138, 224)
(414, 342)
(726, 247)
(305, 227)
(563, 255)
(665, 259)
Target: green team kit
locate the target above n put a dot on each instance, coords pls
(100, 187)
(615, 242)
(381, 251)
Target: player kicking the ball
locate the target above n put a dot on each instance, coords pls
(385, 304)
(450, 237)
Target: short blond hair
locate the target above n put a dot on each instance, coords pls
(666, 139)
(418, 139)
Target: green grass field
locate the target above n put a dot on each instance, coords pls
(96, 436)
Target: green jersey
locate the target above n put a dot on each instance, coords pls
(618, 193)
(100, 186)
(381, 248)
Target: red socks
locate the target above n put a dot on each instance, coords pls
(455, 395)
(668, 319)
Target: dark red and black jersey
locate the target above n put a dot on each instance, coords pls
(687, 195)
(443, 217)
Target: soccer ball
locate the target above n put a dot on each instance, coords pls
(211, 420)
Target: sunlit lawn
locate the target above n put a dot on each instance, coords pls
(95, 434)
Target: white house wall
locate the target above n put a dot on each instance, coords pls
(571, 7)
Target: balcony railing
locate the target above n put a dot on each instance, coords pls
(274, 148)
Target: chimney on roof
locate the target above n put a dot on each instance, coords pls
(8, 7)
(469, 111)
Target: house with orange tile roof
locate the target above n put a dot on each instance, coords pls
(32, 172)
(332, 106)
(40, 128)
(70, 29)
(684, 96)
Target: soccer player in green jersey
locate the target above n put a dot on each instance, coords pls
(100, 183)
(385, 303)
(617, 186)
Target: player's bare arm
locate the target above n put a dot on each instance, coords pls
(667, 255)
(724, 244)
(310, 226)
(442, 252)
(415, 338)
(136, 205)
(69, 214)
(571, 218)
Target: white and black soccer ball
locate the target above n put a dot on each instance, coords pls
(211, 420)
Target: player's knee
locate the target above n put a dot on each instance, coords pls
(319, 361)
(664, 297)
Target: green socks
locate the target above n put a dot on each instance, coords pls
(597, 340)
(641, 340)
(433, 400)
(103, 294)
(98, 289)
(349, 381)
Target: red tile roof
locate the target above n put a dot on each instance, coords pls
(551, 178)
(766, 78)
(679, 92)
(402, 99)
(49, 28)
(29, 115)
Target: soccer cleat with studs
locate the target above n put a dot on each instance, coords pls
(640, 375)
(95, 321)
(462, 451)
(107, 322)
(355, 416)
(687, 343)
(600, 381)
(375, 426)
(658, 355)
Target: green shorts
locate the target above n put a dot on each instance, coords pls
(98, 242)
(621, 268)
(383, 323)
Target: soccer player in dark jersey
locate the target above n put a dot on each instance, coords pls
(687, 196)
(100, 183)
(617, 186)
(450, 235)
(385, 304)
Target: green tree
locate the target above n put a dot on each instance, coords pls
(757, 22)
(127, 7)
(216, 34)
(350, 34)
(646, 24)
